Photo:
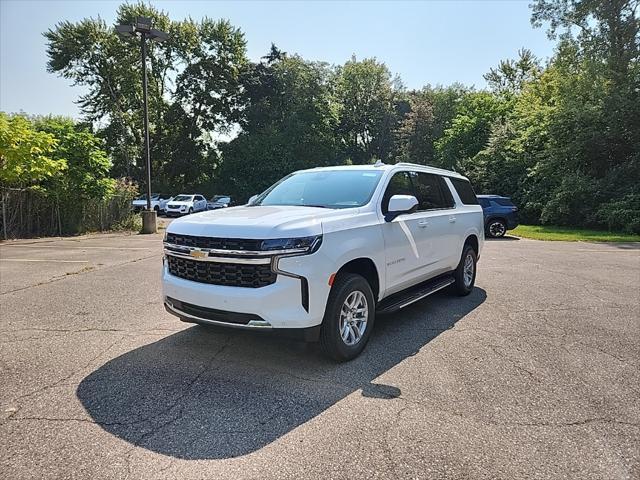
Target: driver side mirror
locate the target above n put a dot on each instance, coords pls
(399, 204)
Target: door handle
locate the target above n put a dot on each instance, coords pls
(452, 218)
(423, 224)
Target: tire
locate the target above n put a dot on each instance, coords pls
(463, 285)
(355, 288)
(496, 228)
(190, 210)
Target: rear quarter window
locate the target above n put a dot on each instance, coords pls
(465, 191)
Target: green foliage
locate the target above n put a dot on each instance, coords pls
(365, 95)
(571, 234)
(562, 139)
(26, 153)
(88, 166)
(193, 88)
(288, 124)
(469, 131)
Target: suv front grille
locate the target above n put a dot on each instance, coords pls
(228, 274)
(215, 243)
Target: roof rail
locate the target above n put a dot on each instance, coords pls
(408, 164)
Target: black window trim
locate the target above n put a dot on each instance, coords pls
(469, 182)
(384, 191)
(444, 197)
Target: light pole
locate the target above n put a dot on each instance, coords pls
(142, 26)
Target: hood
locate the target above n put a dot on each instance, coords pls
(255, 222)
(186, 202)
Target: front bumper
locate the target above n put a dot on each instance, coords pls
(174, 213)
(273, 307)
(221, 319)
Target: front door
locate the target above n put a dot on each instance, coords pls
(406, 253)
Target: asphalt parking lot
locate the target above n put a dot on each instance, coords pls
(534, 375)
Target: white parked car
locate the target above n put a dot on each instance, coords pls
(158, 202)
(323, 250)
(186, 204)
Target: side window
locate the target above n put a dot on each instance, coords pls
(446, 192)
(429, 191)
(400, 184)
(200, 198)
(465, 192)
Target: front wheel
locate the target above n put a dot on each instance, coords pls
(465, 273)
(348, 319)
(190, 210)
(496, 228)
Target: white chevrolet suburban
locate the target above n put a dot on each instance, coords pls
(323, 250)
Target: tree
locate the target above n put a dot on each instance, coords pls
(87, 172)
(289, 123)
(365, 94)
(26, 154)
(193, 82)
(415, 134)
(510, 76)
(469, 131)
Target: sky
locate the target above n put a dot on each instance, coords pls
(424, 42)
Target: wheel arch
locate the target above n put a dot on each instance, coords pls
(365, 267)
(473, 241)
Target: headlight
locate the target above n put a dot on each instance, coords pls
(295, 245)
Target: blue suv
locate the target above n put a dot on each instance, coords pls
(500, 214)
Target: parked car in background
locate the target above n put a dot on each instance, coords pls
(500, 214)
(322, 250)
(218, 201)
(158, 202)
(185, 204)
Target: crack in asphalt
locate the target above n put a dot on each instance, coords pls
(496, 349)
(80, 272)
(59, 381)
(177, 403)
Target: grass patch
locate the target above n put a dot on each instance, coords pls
(568, 234)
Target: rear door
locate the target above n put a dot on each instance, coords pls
(201, 203)
(436, 210)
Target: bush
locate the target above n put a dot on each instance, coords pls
(33, 213)
(623, 214)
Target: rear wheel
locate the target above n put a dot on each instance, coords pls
(465, 273)
(348, 319)
(496, 228)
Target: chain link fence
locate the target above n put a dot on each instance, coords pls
(28, 214)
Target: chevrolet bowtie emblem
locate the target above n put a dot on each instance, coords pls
(197, 253)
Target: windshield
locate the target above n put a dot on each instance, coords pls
(220, 198)
(323, 188)
(183, 198)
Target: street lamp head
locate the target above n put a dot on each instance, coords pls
(126, 30)
(158, 36)
(143, 24)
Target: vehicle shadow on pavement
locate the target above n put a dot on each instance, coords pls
(206, 393)
(506, 238)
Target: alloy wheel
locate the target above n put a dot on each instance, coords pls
(353, 318)
(497, 229)
(468, 270)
